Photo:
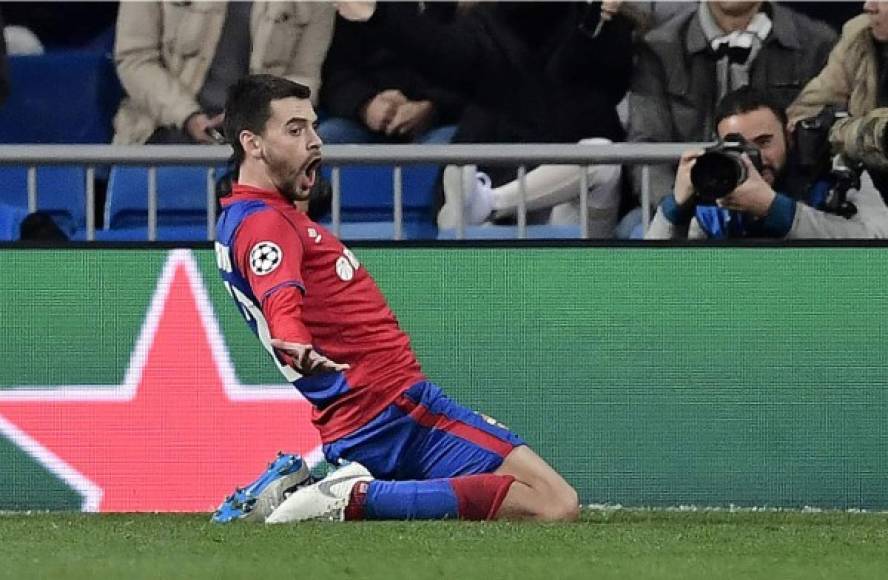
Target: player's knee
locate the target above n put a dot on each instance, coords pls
(562, 506)
(568, 509)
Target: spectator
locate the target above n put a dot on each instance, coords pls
(855, 80)
(534, 72)
(660, 11)
(552, 195)
(781, 200)
(40, 227)
(176, 68)
(373, 95)
(690, 61)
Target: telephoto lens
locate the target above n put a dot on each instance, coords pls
(720, 169)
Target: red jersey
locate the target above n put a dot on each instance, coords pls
(311, 289)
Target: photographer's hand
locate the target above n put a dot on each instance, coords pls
(754, 196)
(684, 189)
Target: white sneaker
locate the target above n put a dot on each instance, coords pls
(324, 500)
(476, 202)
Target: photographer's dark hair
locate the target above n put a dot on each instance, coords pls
(248, 106)
(746, 100)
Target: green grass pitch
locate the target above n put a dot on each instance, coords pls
(610, 544)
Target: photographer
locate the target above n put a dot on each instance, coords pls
(776, 196)
(855, 79)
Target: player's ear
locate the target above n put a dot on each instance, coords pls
(252, 144)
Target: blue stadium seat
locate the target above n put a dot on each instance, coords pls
(367, 192)
(198, 233)
(383, 230)
(181, 197)
(180, 233)
(60, 97)
(494, 232)
(182, 209)
(61, 192)
(10, 222)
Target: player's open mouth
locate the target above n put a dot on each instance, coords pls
(309, 175)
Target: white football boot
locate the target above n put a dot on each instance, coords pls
(324, 500)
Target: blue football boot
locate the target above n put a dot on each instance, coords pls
(256, 501)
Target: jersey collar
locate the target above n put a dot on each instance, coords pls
(241, 192)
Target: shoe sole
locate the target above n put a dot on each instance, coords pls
(257, 500)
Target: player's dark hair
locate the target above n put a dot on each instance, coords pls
(746, 100)
(248, 106)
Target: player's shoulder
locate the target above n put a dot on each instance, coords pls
(266, 220)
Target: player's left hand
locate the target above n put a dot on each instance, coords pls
(306, 359)
(754, 196)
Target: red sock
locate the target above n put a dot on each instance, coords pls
(356, 500)
(480, 496)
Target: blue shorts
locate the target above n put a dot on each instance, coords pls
(425, 435)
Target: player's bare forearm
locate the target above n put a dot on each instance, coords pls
(306, 360)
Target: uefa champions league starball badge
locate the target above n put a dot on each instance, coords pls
(265, 257)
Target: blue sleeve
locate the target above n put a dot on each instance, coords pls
(678, 215)
(780, 216)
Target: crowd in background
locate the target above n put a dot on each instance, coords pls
(519, 72)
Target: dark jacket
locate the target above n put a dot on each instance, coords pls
(533, 72)
(358, 67)
(674, 86)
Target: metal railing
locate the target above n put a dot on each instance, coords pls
(397, 156)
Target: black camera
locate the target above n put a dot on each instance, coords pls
(812, 140)
(720, 169)
(816, 160)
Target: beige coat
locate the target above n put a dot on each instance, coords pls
(164, 51)
(849, 78)
(850, 81)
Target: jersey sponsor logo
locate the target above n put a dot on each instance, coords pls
(265, 257)
(346, 265)
(313, 234)
(344, 269)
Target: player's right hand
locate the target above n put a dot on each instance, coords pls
(306, 359)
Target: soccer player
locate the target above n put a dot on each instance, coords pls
(415, 453)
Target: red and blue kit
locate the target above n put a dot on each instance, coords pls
(293, 280)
